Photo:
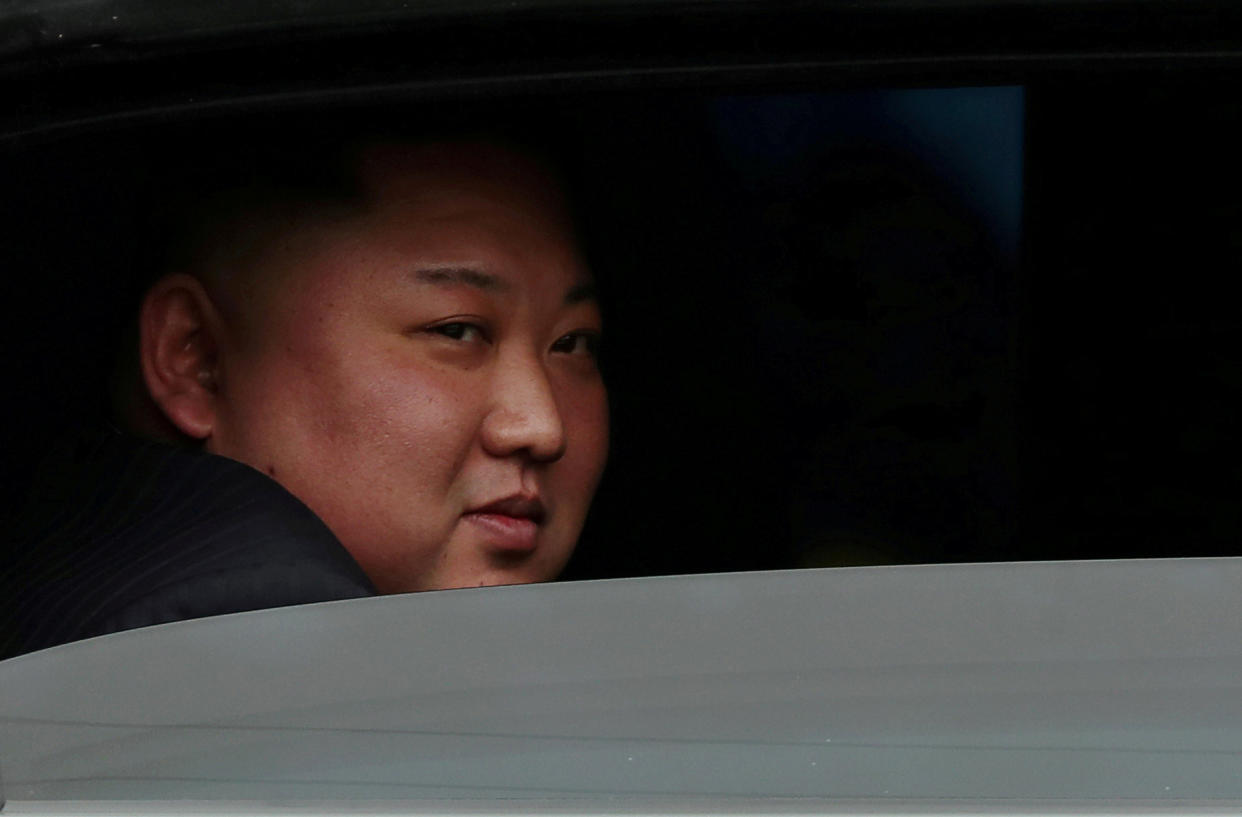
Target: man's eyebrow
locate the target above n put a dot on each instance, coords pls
(581, 292)
(451, 276)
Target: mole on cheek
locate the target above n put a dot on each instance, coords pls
(271, 471)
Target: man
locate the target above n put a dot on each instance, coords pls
(414, 361)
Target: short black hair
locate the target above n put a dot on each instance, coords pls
(200, 177)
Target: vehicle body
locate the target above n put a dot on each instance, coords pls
(1078, 687)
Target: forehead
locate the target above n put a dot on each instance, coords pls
(463, 200)
(462, 205)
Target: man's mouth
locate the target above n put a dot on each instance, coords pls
(510, 524)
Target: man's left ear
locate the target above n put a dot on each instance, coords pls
(178, 348)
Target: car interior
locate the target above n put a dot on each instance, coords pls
(860, 310)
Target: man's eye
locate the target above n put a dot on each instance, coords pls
(578, 343)
(459, 330)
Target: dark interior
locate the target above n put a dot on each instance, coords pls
(884, 282)
(820, 353)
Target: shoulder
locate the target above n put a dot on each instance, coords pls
(125, 533)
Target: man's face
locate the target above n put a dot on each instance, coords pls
(422, 373)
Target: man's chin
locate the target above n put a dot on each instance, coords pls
(499, 570)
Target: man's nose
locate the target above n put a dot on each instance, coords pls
(524, 417)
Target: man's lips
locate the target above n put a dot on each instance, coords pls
(509, 524)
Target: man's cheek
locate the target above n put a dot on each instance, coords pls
(588, 424)
(416, 415)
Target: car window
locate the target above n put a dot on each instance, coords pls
(878, 326)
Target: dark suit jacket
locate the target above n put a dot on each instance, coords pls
(122, 533)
